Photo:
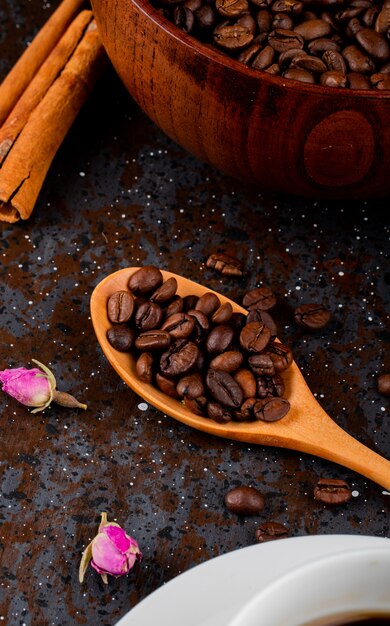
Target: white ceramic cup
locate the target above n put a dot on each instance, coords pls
(351, 581)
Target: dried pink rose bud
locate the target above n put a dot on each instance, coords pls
(36, 387)
(112, 551)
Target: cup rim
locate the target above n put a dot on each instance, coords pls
(305, 568)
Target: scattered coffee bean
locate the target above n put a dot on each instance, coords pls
(261, 298)
(245, 501)
(225, 264)
(145, 280)
(384, 384)
(268, 531)
(332, 491)
(254, 337)
(121, 337)
(312, 316)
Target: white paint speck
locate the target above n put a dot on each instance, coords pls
(143, 406)
(386, 493)
(355, 493)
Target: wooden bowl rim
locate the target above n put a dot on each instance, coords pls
(220, 58)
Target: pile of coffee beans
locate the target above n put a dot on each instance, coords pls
(222, 364)
(335, 43)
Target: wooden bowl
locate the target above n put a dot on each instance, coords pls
(279, 134)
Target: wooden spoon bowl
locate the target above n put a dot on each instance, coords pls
(306, 427)
(276, 133)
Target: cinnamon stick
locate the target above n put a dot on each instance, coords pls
(40, 84)
(23, 171)
(31, 60)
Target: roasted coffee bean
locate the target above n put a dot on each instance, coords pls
(120, 307)
(264, 21)
(179, 325)
(332, 491)
(184, 19)
(309, 63)
(176, 306)
(247, 382)
(248, 22)
(313, 29)
(153, 340)
(264, 58)
(289, 55)
(282, 40)
(384, 384)
(231, 8)
(225, 264)
(380, 81)
(205, 16)
(148, 316)
(232, 36)
(382, 24)
(219, 339)
(358, 81)
(282, 20)
(165, 292)
(224, 388)
(121, 337)
(237, 321)
(319, 46)
(189, 303)
(348, 14)
(218, 413)
(271, 409)
(228, 361)
(269, 531)
(254, 337)
(247, 55)
(245, 501)
(191, 386)
(374, 44)
(312, 316)
(145, 280)
(223, 314)
(208, 303)
(301, 75)
(259, 298)
(262, 364)
(180, 358)
(202, 324)
(196, 405)
(167, 385)
(357, 60)
(263, 316)
(334, 61)
(144, 367)
(246, 411)
(273, 69)
(280, 355)
(333, 79)
(270, 386)
(287, 6)
(193, 5)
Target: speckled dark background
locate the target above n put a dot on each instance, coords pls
(120, 193)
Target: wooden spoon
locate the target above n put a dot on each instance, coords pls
(306, 427)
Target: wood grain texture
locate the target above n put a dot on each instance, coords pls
(306, 427)
(246, 123)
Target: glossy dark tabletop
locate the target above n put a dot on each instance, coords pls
(118, 194)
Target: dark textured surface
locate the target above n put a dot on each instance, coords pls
(120, 193)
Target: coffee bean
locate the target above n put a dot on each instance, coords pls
(231, 8)
(298, 74)
(309, 63)
(273, 69)
(245, 501)
(179, 325)
(271, 409)
(319, 46)
(384, 384)
(262, 364)
(196, 405)
(245, 412)
(232, 36)
(165, 292)
(287, 6)
(247, 382)
(148, 316)
(208, 303)
(247, 55)
(334, 61)
(357, 60)
(237, 322)
(312, 316)
(189, 302)
(180, 358)
(264, 21)
(145, 280)
(358, 81)
(191, 386)
(374, 44)
(153, 340)
(121, 337)
(265, 318)
(120, 307)
(282, 21)
(225, 264)
(269, 531)
(183, 18)
(270, 386)
(223, 314)
(228, 361)
(259, 298)
(333, 79)
(218, 413)
(332, 491)
(280, 355)
(254, 337)
(144, 367)
(219, 339)
(282, 39)
(264, 58)
(206, 16)
(176, 306)
(167, 385)
(313, 29)
(224, 388)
